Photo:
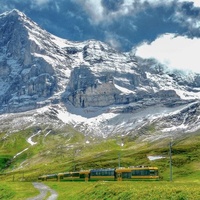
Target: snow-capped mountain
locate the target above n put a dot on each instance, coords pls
(100, 91)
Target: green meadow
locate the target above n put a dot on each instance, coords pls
(17, 190)
(142, 190)
(69, 150)
(127, 190)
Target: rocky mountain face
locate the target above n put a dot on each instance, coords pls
(28, 58)
(89, 84)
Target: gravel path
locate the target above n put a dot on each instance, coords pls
(43, 192)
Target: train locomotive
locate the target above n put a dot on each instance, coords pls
(110, 174)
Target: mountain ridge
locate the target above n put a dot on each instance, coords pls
(98, 90)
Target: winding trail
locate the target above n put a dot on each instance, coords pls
(43, 192)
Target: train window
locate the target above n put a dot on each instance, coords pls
(94, 173)
(75, 174)
(140, 172)
(153, 172)
(135, 173)
(82, 175)
(126, 174)
(144, 172)
(102, 172)
(109, 173)
(67, 175)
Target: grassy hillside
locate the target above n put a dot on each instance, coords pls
(17, 190)
(127, 190)
(67, 150)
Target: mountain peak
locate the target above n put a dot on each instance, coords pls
(16, 16)
(14, 13)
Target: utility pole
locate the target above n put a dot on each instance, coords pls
(119, 160)
(74, 160)
(170, 159)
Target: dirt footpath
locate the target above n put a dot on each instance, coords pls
(43, 192)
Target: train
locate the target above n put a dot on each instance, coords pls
(110, 174)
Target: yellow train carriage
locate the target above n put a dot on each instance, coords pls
(102, 175)
(137, 173)
(150, 173)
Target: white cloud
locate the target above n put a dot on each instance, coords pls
(40, 4)
(196, 3)
(178, 52)
(113, 42)
(94, 8)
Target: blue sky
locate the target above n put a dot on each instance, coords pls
(160, 29)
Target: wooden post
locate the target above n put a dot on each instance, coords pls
(170, 159)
